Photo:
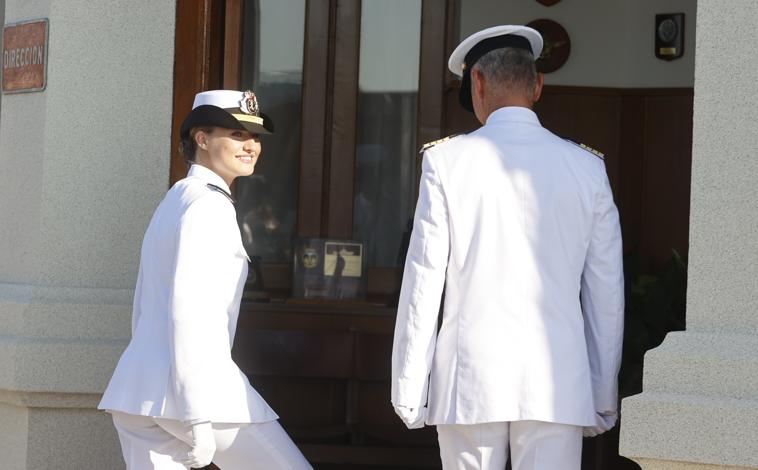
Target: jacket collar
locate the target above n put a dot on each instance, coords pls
(207, 176)
(513, 114)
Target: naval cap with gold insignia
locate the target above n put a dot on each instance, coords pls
(230, 109)
(475, 46)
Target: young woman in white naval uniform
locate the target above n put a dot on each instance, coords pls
(177, 398)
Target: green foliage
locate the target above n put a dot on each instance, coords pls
(655, 305)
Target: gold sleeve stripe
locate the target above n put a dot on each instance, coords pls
(248, 118)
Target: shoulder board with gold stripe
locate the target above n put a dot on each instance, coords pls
(594, 152)
(431, 144)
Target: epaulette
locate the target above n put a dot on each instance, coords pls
(594, 152)
(431, 144)
(221, 190)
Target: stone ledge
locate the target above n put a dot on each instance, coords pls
(52, 365)
(26, 293)
(49, 400)
(704, 364)
(648, 464)
(63, 312)
(687, 428)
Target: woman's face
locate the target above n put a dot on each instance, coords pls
(229, 152)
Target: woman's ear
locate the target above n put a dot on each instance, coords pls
(201, 139)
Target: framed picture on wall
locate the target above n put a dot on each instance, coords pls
(329, 269)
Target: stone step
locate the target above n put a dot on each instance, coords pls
(706, 430)
(704, 364)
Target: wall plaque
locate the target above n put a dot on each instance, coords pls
(25, 56)
(557, 45)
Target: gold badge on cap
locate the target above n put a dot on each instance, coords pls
(249, 103)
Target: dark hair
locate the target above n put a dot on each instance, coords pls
(188, 146)
(512, 68)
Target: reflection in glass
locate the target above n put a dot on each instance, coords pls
(386, 150)
(272, 66)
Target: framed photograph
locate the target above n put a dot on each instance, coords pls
(329, 269)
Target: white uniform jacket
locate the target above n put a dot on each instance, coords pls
(514, 223)
(193, 267)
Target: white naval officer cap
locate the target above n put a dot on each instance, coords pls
(475, 46)
(230, 109)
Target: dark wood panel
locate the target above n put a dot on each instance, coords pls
(344, 96)
(631, 151)
(232, 52)
(364, 457)
(297, 353)
(325, 370)
(432, 66)
(306, 405)
(667, 161)
(314, 118)
(198, 58)
(592, 119)
(457, 119)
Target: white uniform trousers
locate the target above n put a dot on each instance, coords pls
(157, 443)
(534, 445)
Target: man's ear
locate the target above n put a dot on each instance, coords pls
(477, 83)
(538, 84)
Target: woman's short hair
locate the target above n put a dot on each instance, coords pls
(188, 145)
(511, 68)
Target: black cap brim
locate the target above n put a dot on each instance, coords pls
(209, 115)
(464, 94)
(477, 51)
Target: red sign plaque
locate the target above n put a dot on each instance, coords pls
(25, 56)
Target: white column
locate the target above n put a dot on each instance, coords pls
(82, 166)
(699, 409)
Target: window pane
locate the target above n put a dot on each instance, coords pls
(272, 66)
(386, 150)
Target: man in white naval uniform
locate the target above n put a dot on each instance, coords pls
(519, 228)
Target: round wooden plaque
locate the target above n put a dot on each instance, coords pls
(557, 47)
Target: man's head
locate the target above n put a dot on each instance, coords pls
(497, 68)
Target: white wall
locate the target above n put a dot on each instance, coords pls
(83, 164)
(612, 41)
(700, 398)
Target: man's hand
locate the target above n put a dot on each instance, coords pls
(603, 422)
(413, 418)
(203, 446)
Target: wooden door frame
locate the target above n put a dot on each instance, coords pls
(197, 57)
(208, 54)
